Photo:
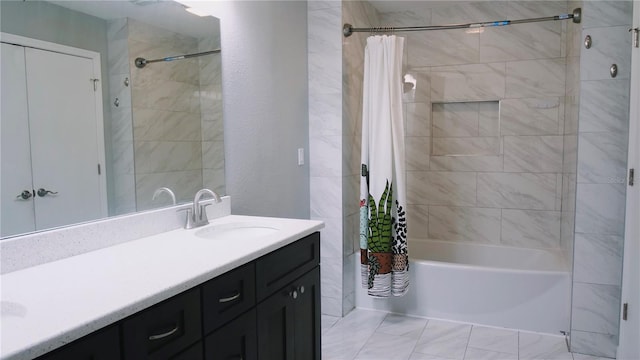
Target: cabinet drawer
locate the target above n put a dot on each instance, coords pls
(275, 270)
(228, 296)
(163, 330)
(101, 345)
(234, 341)
(193, 353)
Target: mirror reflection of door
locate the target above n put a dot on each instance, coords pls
(53, 144)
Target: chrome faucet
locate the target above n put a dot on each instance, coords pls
(168, 191)
(197, 215)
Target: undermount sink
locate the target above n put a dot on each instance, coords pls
(236, 231)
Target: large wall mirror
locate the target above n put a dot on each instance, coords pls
(85, 133)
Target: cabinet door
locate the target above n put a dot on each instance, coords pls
(17, 214)
(234, 341)
(289, 321)
(101, 345)
(65, 143)
(307, 316)
(276, 326)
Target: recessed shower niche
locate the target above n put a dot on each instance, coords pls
(466, 129)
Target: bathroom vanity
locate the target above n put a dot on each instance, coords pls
(182, 294)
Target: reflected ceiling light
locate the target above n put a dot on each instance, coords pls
(195, 11)
(201, 8)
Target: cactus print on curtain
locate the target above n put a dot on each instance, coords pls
(383, 221)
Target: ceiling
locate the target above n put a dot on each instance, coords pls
(166, 14)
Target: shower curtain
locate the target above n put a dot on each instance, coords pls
(383, 224)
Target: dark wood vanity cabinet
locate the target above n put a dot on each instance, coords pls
(289, 317)
(164, 330)
(268, 309)
(289, 321)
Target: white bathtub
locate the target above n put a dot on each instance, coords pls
(483, 284)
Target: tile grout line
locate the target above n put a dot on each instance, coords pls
(468, 341)
(518, 352)
(413, 351)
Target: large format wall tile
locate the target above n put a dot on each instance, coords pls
(611, 45)
(418, 217)
(595, 308)
(521, 42)
(464, 12)
(456, 146)
(604, 105)
(595, 344)
(326, 154)
(489, 118)
(164, 156)
(441, 188)
(418, 119)
(464, 223)
(606, 13)
(454, 47)
(530, 116)
(600, 208)
(325, 113)
(531, 228)
(417, 151)
(535, 78)
(326, 196)
(598, 259)
(479, 82)
(322, 35)
(517, 191)
(533, 154)
(602, 157)
(455, 119)
(467, 163)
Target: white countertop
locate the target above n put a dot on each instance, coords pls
(49, 305)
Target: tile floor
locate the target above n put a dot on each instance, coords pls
(372, 335)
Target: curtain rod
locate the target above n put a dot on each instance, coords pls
(348, 29)
(142, 62)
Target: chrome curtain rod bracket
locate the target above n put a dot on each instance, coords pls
(575, 16)
(142, 62)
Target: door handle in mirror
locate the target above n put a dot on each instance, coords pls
(25, 195)
(43, 192)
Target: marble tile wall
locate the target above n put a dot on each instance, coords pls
(334, 139)
(602, 135)
(485, 124)
(165, 99)
(211, 116)
(122, 200)
(325, 146)
(353, 12)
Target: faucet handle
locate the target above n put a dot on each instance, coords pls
(203, 213)
(190, 222)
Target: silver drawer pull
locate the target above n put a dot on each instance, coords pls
(230, 298)
(164, 335)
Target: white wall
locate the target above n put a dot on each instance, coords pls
(264, 62)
